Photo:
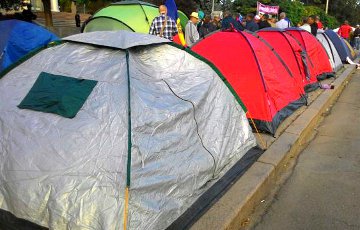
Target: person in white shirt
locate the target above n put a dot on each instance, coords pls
(283, 23)
(305, 25)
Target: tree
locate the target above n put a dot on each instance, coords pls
(245, 6)
(47, 13)
(345, 10)
(4, 4)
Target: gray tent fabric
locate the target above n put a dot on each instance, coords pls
(330, 49)
(187, 131)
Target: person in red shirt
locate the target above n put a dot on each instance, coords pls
(345, 30)
(319, 23)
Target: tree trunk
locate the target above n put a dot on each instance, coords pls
(47, 13)
(73, 7)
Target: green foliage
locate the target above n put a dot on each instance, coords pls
(339, 10)
(295, 10)
(9, 3)
(65, 5)
(330, 22)
(95, 5)
(327, 20)
(245, 6)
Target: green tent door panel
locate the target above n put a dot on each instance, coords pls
(134, 17)
(183, 19)
(105, 24)
(151, 13)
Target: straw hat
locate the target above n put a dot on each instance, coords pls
(194, 15)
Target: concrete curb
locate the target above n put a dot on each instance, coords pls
(231, 210)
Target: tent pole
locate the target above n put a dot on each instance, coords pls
(129, 146)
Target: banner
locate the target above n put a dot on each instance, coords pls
(265, 9)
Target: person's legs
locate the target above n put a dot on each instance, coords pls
(357, 43)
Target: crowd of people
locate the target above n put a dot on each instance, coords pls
(200, 25)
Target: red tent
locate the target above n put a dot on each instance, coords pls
(291, 51)
(316, 52)
(257, 74)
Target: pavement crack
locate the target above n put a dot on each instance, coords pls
(341, 138)
(347, 224)
(349, 103)
(266, 163)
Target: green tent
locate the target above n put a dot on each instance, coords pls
(126, 15)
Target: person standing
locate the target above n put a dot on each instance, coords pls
(27, 14)
(264, 23)
(191, 33)
(283, 23)
(217, 22)
(345, 30)
(305, 25)
(313, 25)
(163, 26)
(319, 23)
(77, 20)
(257, 19)
(272, 21)
(357, 37)
(229, 22)
(207, 27)
(251, 25)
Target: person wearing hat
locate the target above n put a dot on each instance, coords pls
(191, 32)
(357, 37)
(163, 26)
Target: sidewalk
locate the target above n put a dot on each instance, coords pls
(324, 190)
(235, 209)
(64, 23)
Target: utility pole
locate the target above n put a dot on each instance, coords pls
(212, 8)
(327, 7)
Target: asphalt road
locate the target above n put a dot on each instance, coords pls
(323, 191)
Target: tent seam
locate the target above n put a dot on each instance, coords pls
(217, 71)
(197, 125)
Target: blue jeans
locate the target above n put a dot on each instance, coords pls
(357, 43)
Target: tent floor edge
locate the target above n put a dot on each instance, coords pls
(324, 76)
(216, 191)
(270, 127)
(311, 87)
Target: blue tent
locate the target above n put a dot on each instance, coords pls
(340, 45)
(18, 38)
